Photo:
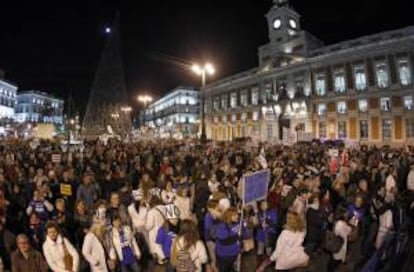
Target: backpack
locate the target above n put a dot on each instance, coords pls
(184, 263)
(332, 242)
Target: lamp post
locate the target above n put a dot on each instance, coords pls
(145, 99)
(208, 69)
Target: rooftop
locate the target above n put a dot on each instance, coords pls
(40, 93)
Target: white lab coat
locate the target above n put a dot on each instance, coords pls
(154, 221)
(94, 253)
(54, 253)
(289, 252)
(129, 236)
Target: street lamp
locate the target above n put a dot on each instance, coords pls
(145, 99)
(208, 69)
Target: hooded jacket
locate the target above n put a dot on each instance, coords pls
(54, 253)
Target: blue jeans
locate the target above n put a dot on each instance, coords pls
(226, 264)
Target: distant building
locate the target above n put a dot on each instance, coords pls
(7, 99)
(175, 114)
(38, 107)
(359, 90)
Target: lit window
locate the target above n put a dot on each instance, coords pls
(363, 105)
(243, 117)
(341, 107)
(233, 100)
(382, 75)
(267, 94)
(363, 129)
(409, 127)
(342, 130)
(340, 82)
(224, 119)
(1, 90)
(385, 104)
(322, 130)
(404, 72)
(255, 96)
(360, 78)
(243, 98)
(255, 116)
(321, 109)
(224, 101)
(408, 103)
(320, 85)
(233, 118)
(34, 101)
(386, 129)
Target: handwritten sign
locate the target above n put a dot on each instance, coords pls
(255, 186)
(65, 189)
(56, 158)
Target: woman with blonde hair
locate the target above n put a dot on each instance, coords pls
(289, 252)
(97, 251)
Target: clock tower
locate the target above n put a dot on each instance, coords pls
(287, 40)
(283, 23)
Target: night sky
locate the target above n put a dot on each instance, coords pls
(55, 46)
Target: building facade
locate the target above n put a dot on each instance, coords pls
(359, 90)
(175, 114)
(7, 100)
(38, 107)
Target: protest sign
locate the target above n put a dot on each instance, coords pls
(56, 158)
(255, 186)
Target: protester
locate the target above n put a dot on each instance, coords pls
(27, 259)
(60, 254)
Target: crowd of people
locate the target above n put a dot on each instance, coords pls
(177, 206)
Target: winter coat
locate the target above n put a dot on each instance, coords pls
(54, 253)
(34, 263)
(129, 236)
(289, 252)
(155, 219)
(94, 253)
(315, 223)
(138, 217)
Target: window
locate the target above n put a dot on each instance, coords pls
(409, 127)
(256, 129)
(255, 96)
(341, 107)
(216, 103)
(363, 129)
(360, 78)
(322, 130)
(382, 75)
(300, 90)
(386, 128)
(269, 131)
(243, 117)
(339, 80)
(233, 100)
(321, 109)
(244, 131)
(224, 119)
(320, 85)
(342, 130)
(404, 72)
(408, 103)
(255, 116)
(224, 101)
(363, 105)
(385, 104)
(243, 98)
(267, 94)
(233, 118)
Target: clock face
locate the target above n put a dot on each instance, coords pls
(277, 23)
(293, 24)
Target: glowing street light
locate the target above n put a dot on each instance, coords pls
(145, 99)
(203, 71)
(126, 109)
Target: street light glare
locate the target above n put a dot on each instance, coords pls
(197, 69)
(210, 69)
